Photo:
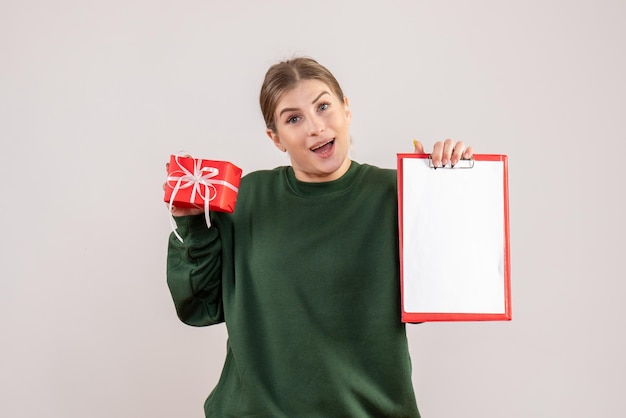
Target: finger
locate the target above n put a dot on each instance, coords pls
(437, 153)
(418, 147)
(448, 147)
(457, 153)
(468, 153)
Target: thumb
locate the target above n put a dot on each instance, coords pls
(418, 147)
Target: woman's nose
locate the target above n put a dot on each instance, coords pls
(315, 125)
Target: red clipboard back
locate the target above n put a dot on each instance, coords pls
(454, 239)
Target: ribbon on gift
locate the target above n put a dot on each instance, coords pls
(202, 179)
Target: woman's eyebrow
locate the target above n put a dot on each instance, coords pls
(292, 109)
(320, 95)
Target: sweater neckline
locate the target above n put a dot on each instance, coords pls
(326, 188)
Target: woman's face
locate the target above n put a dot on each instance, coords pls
(313, 127)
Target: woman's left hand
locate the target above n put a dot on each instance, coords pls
(446, 152)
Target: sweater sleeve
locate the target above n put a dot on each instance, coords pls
(194, 272)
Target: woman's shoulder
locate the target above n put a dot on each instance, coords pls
(373, 172)
(260, 176)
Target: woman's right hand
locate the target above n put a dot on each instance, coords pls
(181, 211)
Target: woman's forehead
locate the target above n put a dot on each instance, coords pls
(304, 92)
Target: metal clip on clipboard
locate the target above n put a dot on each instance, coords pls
(463, 163)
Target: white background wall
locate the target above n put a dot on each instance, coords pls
(94, 96)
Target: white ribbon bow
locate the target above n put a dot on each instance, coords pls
(201, 176)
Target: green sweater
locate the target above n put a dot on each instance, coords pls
(306, 277)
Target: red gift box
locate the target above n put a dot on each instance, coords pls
(192, 183)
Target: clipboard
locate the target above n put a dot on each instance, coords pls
(454, 239)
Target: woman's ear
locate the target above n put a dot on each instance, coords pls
(275, 139)
(346, 107)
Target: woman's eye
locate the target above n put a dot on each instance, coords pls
(323, 106)
(292, 119)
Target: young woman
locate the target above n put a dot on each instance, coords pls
(305, 272)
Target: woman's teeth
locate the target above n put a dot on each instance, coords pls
(323, 145)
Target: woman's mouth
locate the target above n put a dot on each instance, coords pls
(323, 148)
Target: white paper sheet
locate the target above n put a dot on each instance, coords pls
(453, 238)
